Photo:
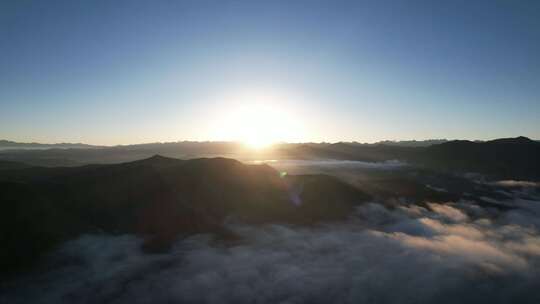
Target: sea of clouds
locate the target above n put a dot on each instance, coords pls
(453, 252)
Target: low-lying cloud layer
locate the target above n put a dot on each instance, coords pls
(442, 253)
(335, 164)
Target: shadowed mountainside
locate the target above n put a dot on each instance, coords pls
(159, 198)
(510, 158)
(5, 164)
(517, 158)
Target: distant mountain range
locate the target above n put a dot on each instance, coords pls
(412, 143)
(6, 144)
(516, 158)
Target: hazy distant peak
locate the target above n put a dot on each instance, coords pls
(7, 144)
(157, 158)
(412, 143)
(512, 140)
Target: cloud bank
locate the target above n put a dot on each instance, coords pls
(456, 252)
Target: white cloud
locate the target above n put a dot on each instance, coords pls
(409, 254)
(448, 212)
(336, 164)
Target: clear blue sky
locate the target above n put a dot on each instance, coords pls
(109, 72)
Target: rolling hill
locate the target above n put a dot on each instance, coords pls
(158, 198)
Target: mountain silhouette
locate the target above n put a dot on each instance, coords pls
(513, 158)
(158, 198)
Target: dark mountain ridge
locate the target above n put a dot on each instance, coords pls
(507, 158)
(158, 198)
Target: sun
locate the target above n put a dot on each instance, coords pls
(259, 126)
(259, 121)
(257, 143)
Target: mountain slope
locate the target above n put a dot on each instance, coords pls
(159, 198)
(514, 158)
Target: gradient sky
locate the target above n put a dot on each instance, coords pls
(116, 72)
